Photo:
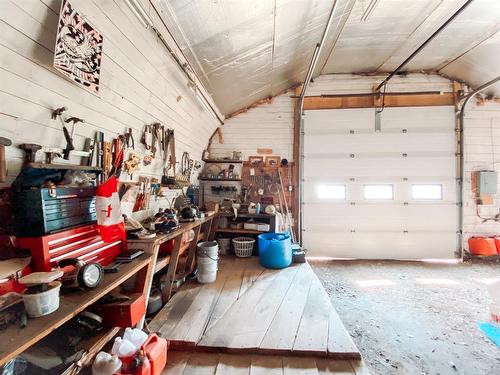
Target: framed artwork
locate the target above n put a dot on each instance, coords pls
(273, 161)
(78, 50)
(255, 161)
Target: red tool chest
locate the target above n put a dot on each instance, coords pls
(83, 242)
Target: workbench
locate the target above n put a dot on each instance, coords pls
(204, 229)
(15, 340)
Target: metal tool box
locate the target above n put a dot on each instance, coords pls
(83, 243)
(48, 210)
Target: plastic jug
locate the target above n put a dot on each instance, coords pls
(106, 364)
(136, 336)
(125, 349)
(155, 349)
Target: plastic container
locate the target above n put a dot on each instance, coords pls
(106, 364)
(136, 336)
(126, 349)
(115, 349)
(155, 349)
(497, 243)
(44, 303)
(243, 246)
(208, 255)
(482, 246)
(275, 250)
(224, 245)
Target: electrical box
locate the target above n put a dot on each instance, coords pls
(487, 182)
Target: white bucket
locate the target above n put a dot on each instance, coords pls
(224, 245)
(206, 278)
(43, 303)
(207, 261)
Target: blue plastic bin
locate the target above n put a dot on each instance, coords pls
(275, 250)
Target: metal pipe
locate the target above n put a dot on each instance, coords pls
(314, 59)
(461, 160)
(422, 46)
(310, 71)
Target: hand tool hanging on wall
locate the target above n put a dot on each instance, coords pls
(158, 131)
(69, 137)
(118, 155)
(129, 139)
(88, 147)
(147, 137)
(70, 148)
(3, 162)
(169, 160)
(107, 158)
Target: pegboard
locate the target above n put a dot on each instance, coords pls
(266, 178)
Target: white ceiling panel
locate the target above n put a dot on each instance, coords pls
(246, 50)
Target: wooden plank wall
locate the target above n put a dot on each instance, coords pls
(269, 125)
(140, 82)
(482, 152)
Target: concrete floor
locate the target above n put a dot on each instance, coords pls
(415, 318)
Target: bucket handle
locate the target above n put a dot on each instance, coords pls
(208, 256)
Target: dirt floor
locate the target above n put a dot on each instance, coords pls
(415, 318)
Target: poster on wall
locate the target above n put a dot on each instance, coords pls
(78, 49)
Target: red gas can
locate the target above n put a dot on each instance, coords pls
(155, 349)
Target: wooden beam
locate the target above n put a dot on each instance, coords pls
(372, 101)
(296, 168)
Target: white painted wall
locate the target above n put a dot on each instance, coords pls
(482, 152)
(140, 83)
(268, 125)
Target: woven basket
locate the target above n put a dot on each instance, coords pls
(243, 246)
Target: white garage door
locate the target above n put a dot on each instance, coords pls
(380, 195)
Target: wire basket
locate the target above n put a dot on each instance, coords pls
(243, 246)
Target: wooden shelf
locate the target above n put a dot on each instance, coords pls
(247, 215)
(243, 231)
(228, 161)
(164, 261)
(63, 166)
(91, 347)
(16, 339)
(221, 179)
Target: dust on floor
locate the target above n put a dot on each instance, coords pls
(415, 318)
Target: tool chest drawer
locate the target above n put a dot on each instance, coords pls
(42, 211)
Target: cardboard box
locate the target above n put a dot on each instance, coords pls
(212, 206)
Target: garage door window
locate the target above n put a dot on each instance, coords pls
(332, 192)
(427, 192)
(376, 192)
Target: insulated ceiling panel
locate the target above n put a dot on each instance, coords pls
(246, 50)
(367, 42)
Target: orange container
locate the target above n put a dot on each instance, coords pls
(497, 243)
(482, 246)
(123, 314)
(155, 349)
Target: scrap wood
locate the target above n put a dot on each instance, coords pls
(217, 132)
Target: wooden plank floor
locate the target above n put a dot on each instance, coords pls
(253, 310)
(190, 363)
